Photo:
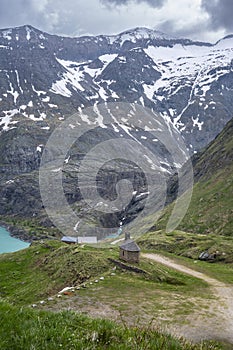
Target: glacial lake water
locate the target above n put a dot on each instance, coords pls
(10, 244)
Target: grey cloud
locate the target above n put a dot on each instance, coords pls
(220, 12)
(194, 32)
(19, 12)
(11, 11)
(48, 15)
(74, 17)
(152, 3)
(77, 17)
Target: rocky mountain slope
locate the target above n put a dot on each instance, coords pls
(46, 78)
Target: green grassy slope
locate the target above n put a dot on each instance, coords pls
(43, 269)
(211, 208)
(34, 274)
(218, 155)
(208, 223)
(25, 329)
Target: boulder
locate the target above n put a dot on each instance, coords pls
(206, 256)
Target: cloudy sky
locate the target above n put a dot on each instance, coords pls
(206, 20)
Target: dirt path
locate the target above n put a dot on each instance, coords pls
(220, 327)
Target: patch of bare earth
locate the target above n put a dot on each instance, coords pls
(214, 323)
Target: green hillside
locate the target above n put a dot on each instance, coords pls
(25, 329)
(208, 223)
(218, 155)
(211, 208)
(45, 268)
(31, 279)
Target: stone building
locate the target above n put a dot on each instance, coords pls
(129, 250)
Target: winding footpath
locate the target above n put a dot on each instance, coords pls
(220, 327)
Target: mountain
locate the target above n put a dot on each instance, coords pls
(44, 79)
(217, 156)
(206, 230)
(210, 210)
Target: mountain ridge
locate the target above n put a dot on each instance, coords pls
(143, 30)
(186, 81)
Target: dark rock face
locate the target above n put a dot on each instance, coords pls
(20, 149)
(45, 78)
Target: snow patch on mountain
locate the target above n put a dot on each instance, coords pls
(59, 87)
(13, 92)
(6, 34)
(28, 31)
(7, 119)
(107, 58)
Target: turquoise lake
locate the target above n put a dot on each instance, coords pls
(10, 244)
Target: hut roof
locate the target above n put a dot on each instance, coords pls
(69, 239)
(90, 239)
(130, 246)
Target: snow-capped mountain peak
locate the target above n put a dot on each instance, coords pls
(21, 33)
(47, 77)
(140, 33)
